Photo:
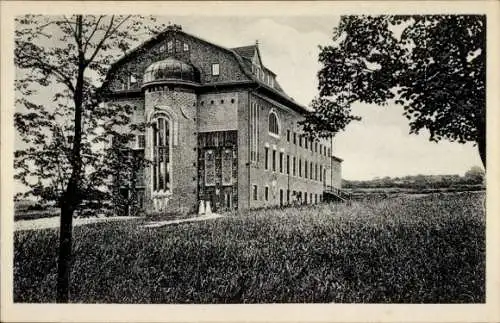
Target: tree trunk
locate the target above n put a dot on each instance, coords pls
(71, 197)
(64, 260)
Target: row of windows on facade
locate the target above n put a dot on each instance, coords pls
(274, 130)
(291, 196)
(179, 47)
(307, 143)
(303, 141)
(312, 170)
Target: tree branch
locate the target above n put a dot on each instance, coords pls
(73, 31)
(92, 33)
(51, 69)
(106, 36)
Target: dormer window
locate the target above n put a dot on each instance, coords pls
(186, 47)
(132, 80)
(170, 47)
(215, 69)
(274, 124)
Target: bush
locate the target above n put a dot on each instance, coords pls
(402, 250)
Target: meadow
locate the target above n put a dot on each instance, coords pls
(405, 249)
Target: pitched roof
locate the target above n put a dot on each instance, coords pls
(240, 58)
(246, 51)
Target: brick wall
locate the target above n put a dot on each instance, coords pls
(182, 104)
(218, 111)
(263, 177)
(243, 152)
(200, 54)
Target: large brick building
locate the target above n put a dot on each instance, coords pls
(220, 128)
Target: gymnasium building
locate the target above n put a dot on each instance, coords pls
(219, 128)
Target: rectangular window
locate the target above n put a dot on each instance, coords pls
(227, 167)
(254, 192)
(300, 167)
(306, 140)
(320, 173)
(311, 170)
(288, 164)
(178, 46)
(315, 172)
(281, 197)
(294, 138)
(274, 160)
(300, 140)
(287, 196)
(288, 135)
(132, 80)
(315, 147)
(266, 193)
(141, 141)
(186, 47)
(209, 168)
(305, 197)
(170, 47)
(215, 69)
(305, 169)
(281, 162)
(266, 158)
(329, 152)
(293, 168)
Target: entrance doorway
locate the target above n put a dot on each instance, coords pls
(218, 169)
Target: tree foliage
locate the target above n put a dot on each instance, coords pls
(434, 66)
(64, 155)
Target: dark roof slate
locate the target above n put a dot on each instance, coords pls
(246, 51)
(243, 55)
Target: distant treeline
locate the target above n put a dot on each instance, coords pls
(474, 177)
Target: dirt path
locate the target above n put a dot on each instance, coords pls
(53, 222)
(159, 224)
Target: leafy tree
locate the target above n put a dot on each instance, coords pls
(435, 66)
(475, 174)
(68, 57)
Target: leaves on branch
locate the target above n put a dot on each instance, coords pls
(433, 65)
(70, 136)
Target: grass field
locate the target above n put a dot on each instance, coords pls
(428, 249)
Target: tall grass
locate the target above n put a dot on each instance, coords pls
(404, 250)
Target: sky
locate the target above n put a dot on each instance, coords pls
(377, 146)
(380, 145)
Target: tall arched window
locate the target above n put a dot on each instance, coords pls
(273, 124)
(161, 154)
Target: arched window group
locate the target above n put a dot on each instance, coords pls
(273, 124)
(161, 154)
